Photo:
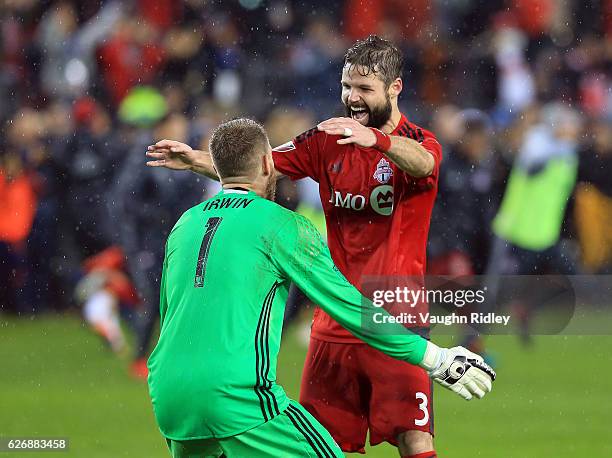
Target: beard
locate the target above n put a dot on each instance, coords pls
(270, 191)
(378, 115)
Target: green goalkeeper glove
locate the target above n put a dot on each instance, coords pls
(459, 370)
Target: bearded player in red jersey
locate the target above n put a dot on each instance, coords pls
(377, 175)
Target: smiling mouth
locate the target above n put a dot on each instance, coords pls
(359, 114)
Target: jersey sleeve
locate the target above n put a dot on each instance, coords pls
(299, 158)
(300, 254)
(163, 298)
(429, 142)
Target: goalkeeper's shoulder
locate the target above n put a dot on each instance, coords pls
(289, 221)
(302, 232)
(274, 215)
(275, 221)
(294, 236)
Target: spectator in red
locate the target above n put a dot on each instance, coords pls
(161, 13)
(17, 210)
(534, 16)
(131, 56)
(364, 17)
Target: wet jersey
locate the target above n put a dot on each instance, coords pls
(377, 215)
(228, 265)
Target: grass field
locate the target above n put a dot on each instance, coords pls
(57, 379)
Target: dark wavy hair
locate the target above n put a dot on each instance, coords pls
(378, 56)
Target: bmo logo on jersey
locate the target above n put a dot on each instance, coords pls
(380, 199)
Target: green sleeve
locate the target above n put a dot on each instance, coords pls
(163, 301)
(300, 254)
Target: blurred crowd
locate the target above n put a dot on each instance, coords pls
(518, 92)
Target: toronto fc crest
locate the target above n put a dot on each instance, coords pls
(383, 172)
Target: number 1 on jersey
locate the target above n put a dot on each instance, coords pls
(209, 232)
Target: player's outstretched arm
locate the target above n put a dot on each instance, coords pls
(180, 156)
(301, 255)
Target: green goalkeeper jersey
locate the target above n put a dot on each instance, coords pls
(228, 266)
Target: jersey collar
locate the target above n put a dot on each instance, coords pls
(236, 190)
(402, 122)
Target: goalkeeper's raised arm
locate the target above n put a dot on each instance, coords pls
(301, 254)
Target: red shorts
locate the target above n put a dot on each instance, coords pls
(351, 388)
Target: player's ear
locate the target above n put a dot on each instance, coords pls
(396, 87)
(267, 164)
(214, 168)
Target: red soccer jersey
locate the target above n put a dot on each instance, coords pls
(377, 215)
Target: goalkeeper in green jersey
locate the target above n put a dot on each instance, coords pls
(228, 265)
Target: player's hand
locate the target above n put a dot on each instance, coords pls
(360, 134)
(171, 154)
(459, 370)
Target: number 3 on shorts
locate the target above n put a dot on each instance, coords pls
(423, 406)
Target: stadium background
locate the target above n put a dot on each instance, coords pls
(86, 85)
